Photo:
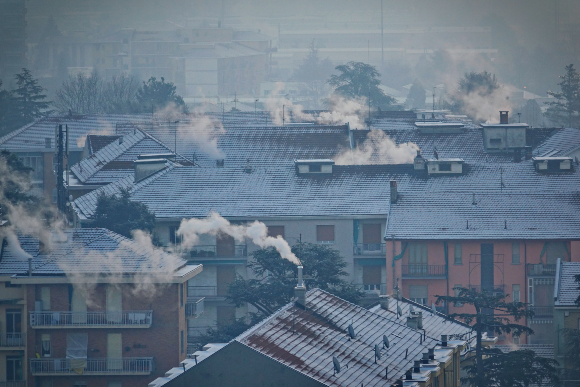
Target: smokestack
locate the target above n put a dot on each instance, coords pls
(419, 162)
(444, 340)
(426, 358)
(300, 290)
(417, 366)
(394, 193)
(432, 354)
(409, 374)
(503, 116)
(384, 302)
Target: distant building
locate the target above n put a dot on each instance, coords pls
(322, 340)
(12, 38)
(91, 308)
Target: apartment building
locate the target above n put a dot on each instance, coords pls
(89, 307)
(322, 340)
(13, 47)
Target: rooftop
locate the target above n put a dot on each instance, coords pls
(566, 289)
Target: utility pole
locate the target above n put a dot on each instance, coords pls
(62, 151)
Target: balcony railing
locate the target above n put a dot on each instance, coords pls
(380, 289)
(541, 270)
(202, 291)
(12, 339)
(495, 289)
(542, 311)
(194, 307)
(211, 251)
(370, 249)
(93, 366)
(14, 383)
(423, 271)
(121, 319)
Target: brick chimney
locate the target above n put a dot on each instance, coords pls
(504, 117)
(394, 192)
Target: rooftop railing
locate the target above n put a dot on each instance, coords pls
(211, 251)
(541, 270)
(423, 270)
(104, 319)
(194, 307)
(369, 249)
(12, 339)
(93, 366)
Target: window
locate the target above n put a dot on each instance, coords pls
(516, 340)
(372, 277)
(181, 295)
(325, 234)
(371, 237)
(13, 321)
(495, 141)
(515, 253)
(45, 297)
(182, 341)
(13, 368)
(456, 290)
(173, 237)
(418, 293)
(274, 231)
(516, 293)
(45, 345)
(34, 161)
(314, 168)
(457, 254)
(445, 167)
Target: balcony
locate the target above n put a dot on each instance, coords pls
(211, 251)
(497, 289)
(202, 291)
(10, 341)
(92, 366)
(123, 319)
(423, 271)
(14, 383)
(380, 289)
(370, 249)
(194, 306)
(542, 311)
(541, 270)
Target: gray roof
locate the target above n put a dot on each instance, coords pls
(497, 215)
(115, 161)
(542, 350)
(88, 251)
(321, 333)
(32, 137)
(561, 143)
(435, 324)
(566, 288)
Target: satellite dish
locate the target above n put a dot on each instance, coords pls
(411, 309)
(377, 352)
(385, 341)
(336, 364)
(351, 331)
(399, 310)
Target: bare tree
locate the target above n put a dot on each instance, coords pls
(119, 94)
(80, 95)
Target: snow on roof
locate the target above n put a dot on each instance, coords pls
(561, 143)
(115, 160)
(89, 251)
(567, 289)
(497, 215)
(542, 350)
(321, 333)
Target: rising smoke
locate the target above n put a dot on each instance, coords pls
(191, 229)
(378, 148)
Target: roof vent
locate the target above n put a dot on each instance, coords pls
(219, 163)
(384, 302)
(415, 321)
(419, 162)
(248, 167)
(553, 164)
(451, 166)
(444, 340)
(314, 166)
(146, 168)
(504, 117)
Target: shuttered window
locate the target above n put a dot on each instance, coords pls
(274, 231)
(515, 253)
(372, 233)
(458, 254)
(419, 293)
(325, 234)
(417, 253)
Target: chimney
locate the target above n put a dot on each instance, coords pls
(384, 302)
(219, 163)
(420, 320)
(300, 290)
(30, 267)
(409, 374)
(517, 155)
(425, 358)
(417, 366)
(394, 193)
(419, 162)
(503, 117)
(444, 340)
(432, 354)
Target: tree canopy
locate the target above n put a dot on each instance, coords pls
(493, 313)
(121, 215)
(15, 182)
(416, 97)
(156, 95)
(360, 80)
(565, 110)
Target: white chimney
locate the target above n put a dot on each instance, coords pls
(300, 290)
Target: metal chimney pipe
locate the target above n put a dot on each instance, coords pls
(417, 367)
(300, 280)
(444, 340)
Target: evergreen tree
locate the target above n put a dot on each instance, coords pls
(416, 97)
(29, 98)
(566, 109)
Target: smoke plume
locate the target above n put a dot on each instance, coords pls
(214, 224)
(378, 148)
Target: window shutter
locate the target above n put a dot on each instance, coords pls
(325, 233)
(274, 231)
(372, 233)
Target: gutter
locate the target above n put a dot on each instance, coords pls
(557, 283)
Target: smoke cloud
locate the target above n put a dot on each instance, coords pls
(378, 148)
(482, 106)
(191, 229)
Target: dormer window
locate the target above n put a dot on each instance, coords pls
(553, 164)
(314, 167)
(444, 166)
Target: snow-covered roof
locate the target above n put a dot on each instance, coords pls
(94, 251)
(566, 289)
(561, 143)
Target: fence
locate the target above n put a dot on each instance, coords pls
(83, 319)
(93, 366)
